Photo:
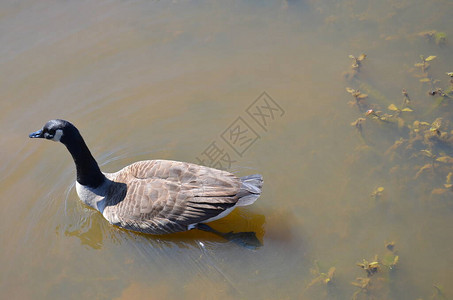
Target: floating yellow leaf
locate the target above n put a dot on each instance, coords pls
(361, 57)
(437, 123)
(392, 107)
(380, 189)
(425, 80)
(426, 153)
(362, 96)
(422, 170)
(395, 261)
(438, 191)
(391, 37)
(407, 109)
(430, 58)
(349, 90)
(450, 74)
(419, 65)
(449, 178)
(445, 159)
(427, 34)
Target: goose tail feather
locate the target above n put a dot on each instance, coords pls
(250, 189)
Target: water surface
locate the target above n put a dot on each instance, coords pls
(159, 80)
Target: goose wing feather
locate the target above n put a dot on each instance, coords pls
(167, 196)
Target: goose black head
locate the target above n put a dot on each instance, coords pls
(88, 172)
(55, 130)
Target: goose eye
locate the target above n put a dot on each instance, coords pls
(49, 134)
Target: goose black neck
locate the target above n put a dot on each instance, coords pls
(88, 172)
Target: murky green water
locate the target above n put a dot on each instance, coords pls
(148, 80)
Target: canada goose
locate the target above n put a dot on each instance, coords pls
(153, 196)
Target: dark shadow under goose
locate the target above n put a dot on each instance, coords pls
(155, 196)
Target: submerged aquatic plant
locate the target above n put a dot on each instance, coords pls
(355, 67)
(417, 153)
(447, 186)
(419, 139)
(370, 268)
(385, 117)
(390, 246)
(378, 115)
(397, 113)
(390, 259)
(427, 78)
(449, 181)
(377, 193)
(406, 99)
(363, 284)
(393, 107)
(357, 61)
(358, 96)
(377, 284)
(321, 278)
(424, 66)
(438, 92)
(358, 124)
(438, 292)
(440, 38)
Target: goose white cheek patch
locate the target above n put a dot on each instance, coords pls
(58, 135)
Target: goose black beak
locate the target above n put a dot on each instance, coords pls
(36, 134)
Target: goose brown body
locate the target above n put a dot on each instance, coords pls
(160, 196)
(153, 196)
